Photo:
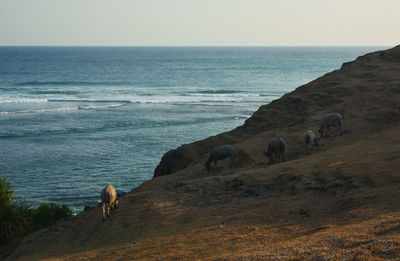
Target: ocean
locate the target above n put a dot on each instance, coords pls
(75, 119)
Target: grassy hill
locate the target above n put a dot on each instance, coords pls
(339, 202)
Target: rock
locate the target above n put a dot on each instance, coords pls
(175, 160)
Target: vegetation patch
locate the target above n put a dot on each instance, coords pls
(18, 219)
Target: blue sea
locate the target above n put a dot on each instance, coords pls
(75, 119)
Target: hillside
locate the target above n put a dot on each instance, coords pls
(339, 202)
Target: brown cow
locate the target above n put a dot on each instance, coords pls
(109, 200)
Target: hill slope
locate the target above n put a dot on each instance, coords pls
(338, 202)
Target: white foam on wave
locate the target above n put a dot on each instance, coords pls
(38, 111)
(100, 106)
(112, 101)
(223, 95)
(193, 98)
(177, 99)
(63, 109)
(22, 100)
(151, 100)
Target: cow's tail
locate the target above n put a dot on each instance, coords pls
(107, 198)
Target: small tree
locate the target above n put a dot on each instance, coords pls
(13, 213)
(6, 193)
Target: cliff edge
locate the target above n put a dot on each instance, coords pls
(341, 91)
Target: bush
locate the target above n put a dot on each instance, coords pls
(13, 213)
(17, 218)
(47, 214)
(6, 193)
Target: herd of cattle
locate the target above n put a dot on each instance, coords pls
(276, 149)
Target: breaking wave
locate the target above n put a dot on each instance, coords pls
(37, 111)
(218, 92)
(22, 100)
(222, 95)
(65, 92)
(71, 83)
(82, 107)
(17, 105)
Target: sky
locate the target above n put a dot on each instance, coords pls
(200, 22)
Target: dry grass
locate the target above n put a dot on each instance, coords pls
(374, 238)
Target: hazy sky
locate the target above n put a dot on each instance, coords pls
(199, 22)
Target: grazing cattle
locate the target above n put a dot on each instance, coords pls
(309, 140)
(331, 120)
(219, 153)
(276, 146)
(109, 200)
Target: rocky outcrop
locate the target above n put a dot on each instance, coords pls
(178, 159)
(175, 160)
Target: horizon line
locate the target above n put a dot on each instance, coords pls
(352, 45)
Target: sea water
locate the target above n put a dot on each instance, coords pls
(75, 119)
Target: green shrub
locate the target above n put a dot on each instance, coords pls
(17, 218)
(14, 214)
(47, 214)
(6, 193)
